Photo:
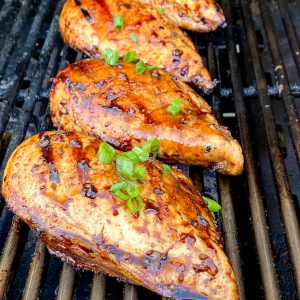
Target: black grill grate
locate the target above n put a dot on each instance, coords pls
(257, 60)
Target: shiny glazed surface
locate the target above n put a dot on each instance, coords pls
(195, 15)
(88, 25)
(55, 183)
(125, 108)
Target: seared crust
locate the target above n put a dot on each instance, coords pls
(195, 15)
(125, 109)
(54, 182)
(88, 25)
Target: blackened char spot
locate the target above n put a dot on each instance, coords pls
(83, 10)
(47, 156)
(158, 191)
(184, 71)
(154, 260)
(54, 176)
(176, 54)
(113, 110)
(88, 190)
(156, 75)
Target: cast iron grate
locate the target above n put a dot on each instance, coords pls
(257, 60)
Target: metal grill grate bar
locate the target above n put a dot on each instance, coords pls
(288, 100)
(285, 195)
(15, 33)
(290, 30)
(262, 239)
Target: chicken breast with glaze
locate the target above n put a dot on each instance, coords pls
(56, 184)
(88, 26)
(195, 15)
(124, 108)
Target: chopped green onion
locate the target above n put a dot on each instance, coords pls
(135, 204)
(118, 22)
(151, 146)
(130, 56)
(175, 106)
(134, 37)
(106, 153)
(161, 9)
(111, 57)
(140, 67)
(142, 154)
(150, 68)
(132, 156)
(125, 166)
(213, 205)
(132, 190)
(166, 169)
(117, 188)
(139, 173)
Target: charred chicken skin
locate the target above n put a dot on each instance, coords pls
(88, 25)
(195, 15)
(124, 108)
(56, 184)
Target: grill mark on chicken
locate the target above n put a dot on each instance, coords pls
(83, 10)
(47, 156)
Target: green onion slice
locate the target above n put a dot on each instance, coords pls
(106, 153)
(111, 57)
(175, 106)
(130, 56)
(167, 169)
(139, 173)
(134, 37)
(161, 9)
(118, 22)
(140, 67)
(150, 68)
(125, 166)
(142, 154)
(135, 204)
(213, 205)
(151, 146)
(117, 188)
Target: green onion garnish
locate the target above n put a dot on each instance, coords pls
(166, 169)
(119, 189)
(125, 166)
(130, 193)
(139, 173)
(111, 57)
(106, 153)
(213, 205)
(151, 146)
(134, 37)
(131, 155)
(150, 68)
(128, 169)
(142, 154)
(175, 106)
(140, 67)
(161, 9)
(130, 56)
(118, 22)
(135, 204)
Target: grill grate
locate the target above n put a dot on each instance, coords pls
(257, 59)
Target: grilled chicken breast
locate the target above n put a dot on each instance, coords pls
(195, 15)
(55, 183)
(88, 25)
(124, 108)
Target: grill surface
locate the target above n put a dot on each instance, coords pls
(257, 60)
